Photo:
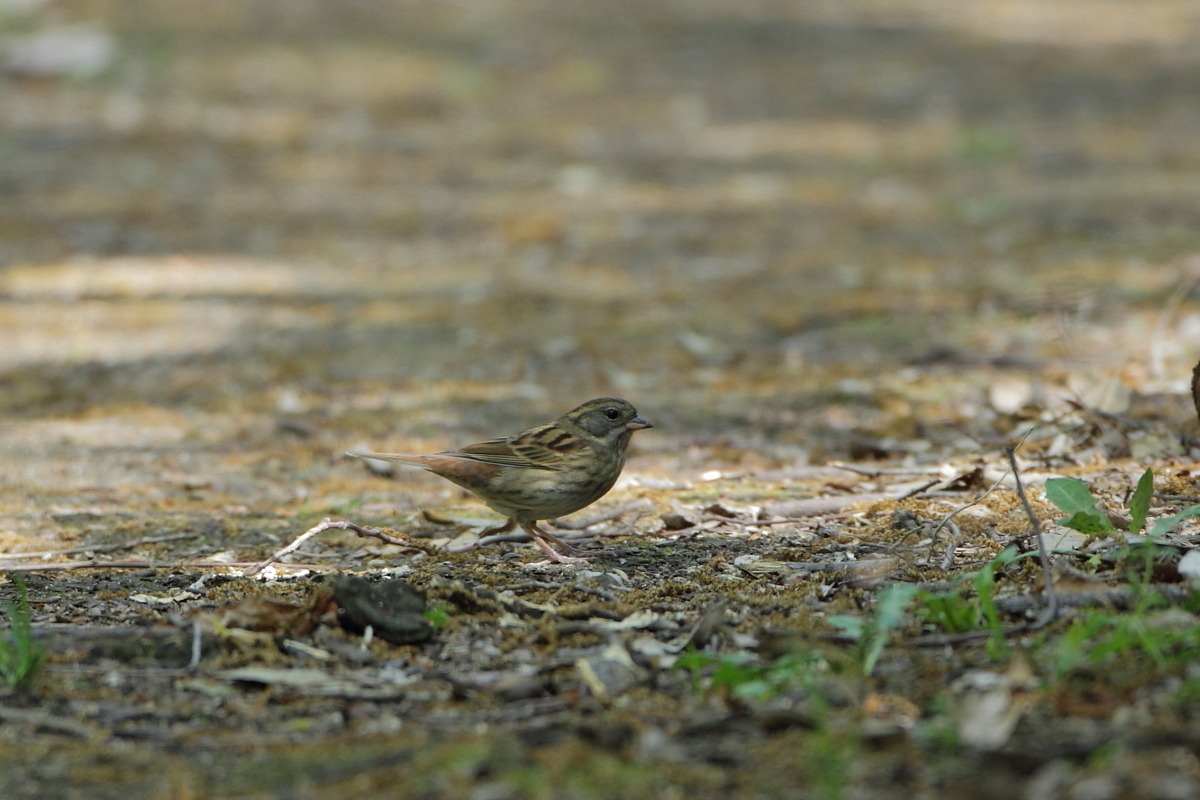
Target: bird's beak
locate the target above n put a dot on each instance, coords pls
(638, 423)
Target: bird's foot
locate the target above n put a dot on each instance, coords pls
(540, 537)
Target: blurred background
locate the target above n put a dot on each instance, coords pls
(239, 236)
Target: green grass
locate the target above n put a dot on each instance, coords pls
(872, 634)
(959, 611)
(1143, 638)
(20, 657)
(743, 677)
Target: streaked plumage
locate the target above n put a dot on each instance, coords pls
(544, 472)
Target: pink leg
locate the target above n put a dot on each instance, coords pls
(537, 535)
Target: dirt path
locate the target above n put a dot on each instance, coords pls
(840, 255)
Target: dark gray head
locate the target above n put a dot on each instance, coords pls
(607, 418)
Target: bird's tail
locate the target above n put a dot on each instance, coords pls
(402, 458)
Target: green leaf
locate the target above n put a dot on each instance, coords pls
(1070, 495)
(754, 689)
(1165, 524)
(20, 656)
(850, 626)
(436, 616)
(1074, 497)
(1139, 504)
(1088, 522)
(889, 613)
(949, 611)
(985, 585)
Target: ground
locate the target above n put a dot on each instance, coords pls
(842, 255)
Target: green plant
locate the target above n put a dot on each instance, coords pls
(872, 635)
(745, 678)
(829, 750)
(1103, 638)
(1166, 524)
(828, 759)
(436, 616)
(1073, 497)
(955, 612)
(20, 657)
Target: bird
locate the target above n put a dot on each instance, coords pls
(545, 472)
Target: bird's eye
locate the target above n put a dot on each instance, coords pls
(611, 413)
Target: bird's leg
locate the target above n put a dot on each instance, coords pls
(537, 535)
(566, 547)
(505, 528)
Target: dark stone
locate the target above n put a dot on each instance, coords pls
(394, 609)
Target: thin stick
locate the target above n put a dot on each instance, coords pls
(919, 489)
(1051, 610)
(145, 563)
(951, 543)
(604, 516)
(295, 545)
(873, 472)
(195, 660)
(946, 519)
(325, 525)
(1119, 598)
(48, 721)
(249, 571)
(103, 548)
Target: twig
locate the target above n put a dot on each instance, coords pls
(1119, 598)
(615, 512)
(556, 586)
(798, 510)
(754, 523)
(943, 639)
(103, 548)
(144, 563)
(325, 525)
(49, 721)
(875, 472)
(838, 566)
(1051, 610)
(605, 516)
(948, 558)
(521, 536)
(946, 519)
(195, 660)
(595, 592)
(919, 489)
(802, 511)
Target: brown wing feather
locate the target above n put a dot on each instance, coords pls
(522, 450)
(496, 451)
(546, 446)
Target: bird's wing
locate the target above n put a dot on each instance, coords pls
(527, 449)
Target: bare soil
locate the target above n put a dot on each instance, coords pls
(842, 255)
